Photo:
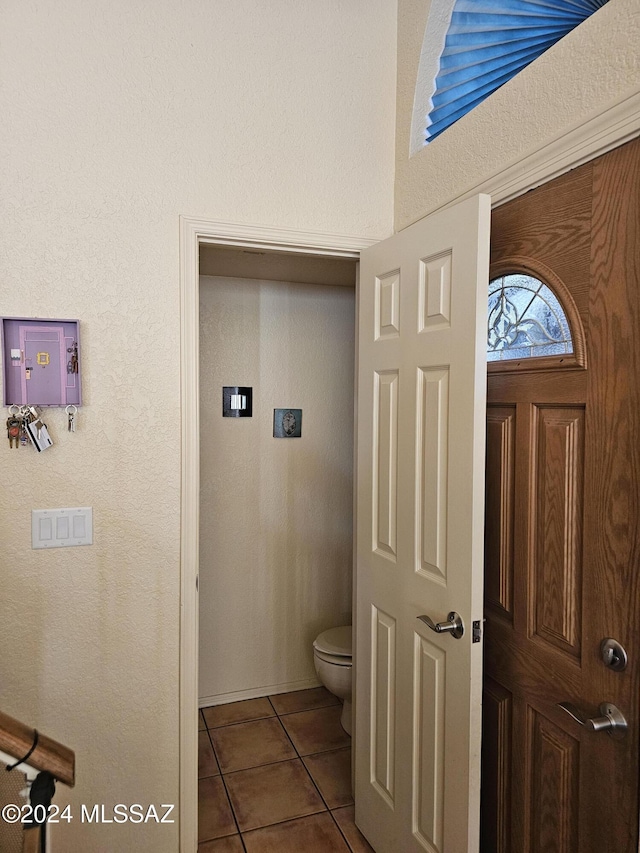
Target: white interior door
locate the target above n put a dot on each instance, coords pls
(420, 516)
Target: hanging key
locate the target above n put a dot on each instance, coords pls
(14, 427)
(71, 411)
(24, 435)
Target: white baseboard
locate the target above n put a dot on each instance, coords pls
(257, 692)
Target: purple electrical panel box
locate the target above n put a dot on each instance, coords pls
(41, 362)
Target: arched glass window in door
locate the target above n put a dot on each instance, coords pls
(526, 320)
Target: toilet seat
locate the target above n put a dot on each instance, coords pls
(334, 645)
(335, 660)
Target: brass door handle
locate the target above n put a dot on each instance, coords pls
(453, 626)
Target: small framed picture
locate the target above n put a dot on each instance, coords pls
(287, 423)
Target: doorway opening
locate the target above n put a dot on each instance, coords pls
(276, 550)
(276, 567)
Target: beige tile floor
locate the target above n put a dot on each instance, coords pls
(275, 777)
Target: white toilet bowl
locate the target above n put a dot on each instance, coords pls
(332, 655)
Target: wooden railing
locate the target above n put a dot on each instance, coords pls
(17, 740)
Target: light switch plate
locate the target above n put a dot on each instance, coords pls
(237, 401)
(61, 528)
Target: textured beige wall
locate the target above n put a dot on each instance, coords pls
(117, 117)
(593, 67)
(276, 532)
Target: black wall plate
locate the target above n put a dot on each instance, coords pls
(237, 401)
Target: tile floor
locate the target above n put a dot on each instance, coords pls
(275, 777)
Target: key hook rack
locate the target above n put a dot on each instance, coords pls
(41, 362)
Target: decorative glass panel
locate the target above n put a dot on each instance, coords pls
(525, 320)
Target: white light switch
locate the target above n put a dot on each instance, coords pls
(61, 528)
(44, 529)
(79, 526)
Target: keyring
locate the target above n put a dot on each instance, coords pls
(71, 415)
(18, 409)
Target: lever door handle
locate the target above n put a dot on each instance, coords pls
(453, 626)
(611, 720)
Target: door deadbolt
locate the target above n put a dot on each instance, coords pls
(613, 654)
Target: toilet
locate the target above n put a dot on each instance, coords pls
(332, 658)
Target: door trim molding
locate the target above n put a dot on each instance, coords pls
(600, 133)
(275, 239)
(193, 232)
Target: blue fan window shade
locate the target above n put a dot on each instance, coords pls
(488, 42)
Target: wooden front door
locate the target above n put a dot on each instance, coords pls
(563, 528)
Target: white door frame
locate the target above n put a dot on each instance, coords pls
(598, 134)
(193, 233)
